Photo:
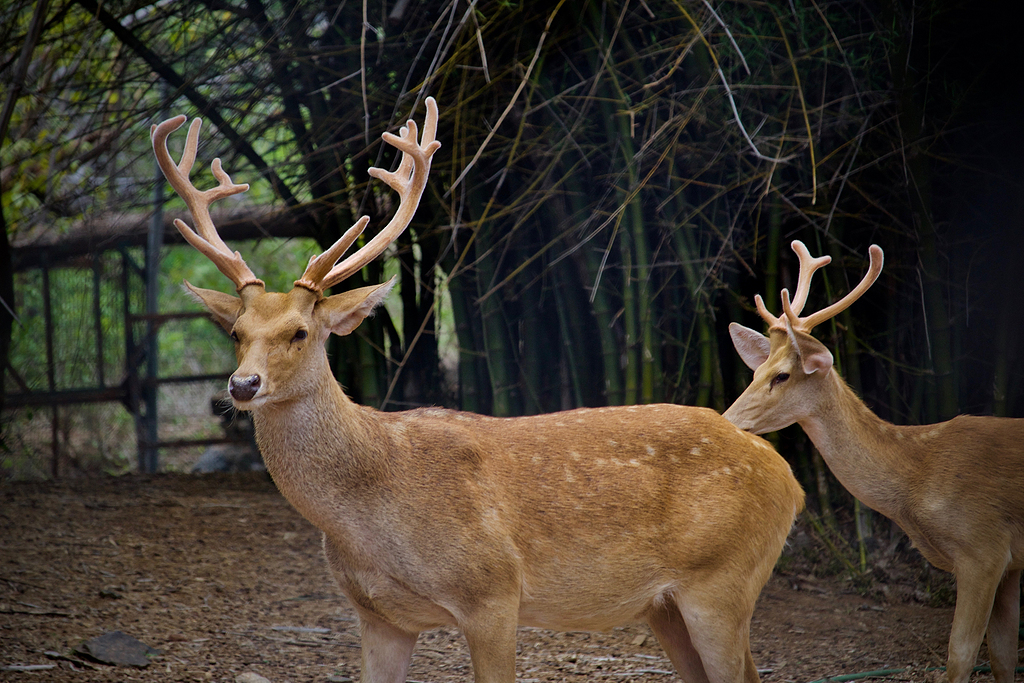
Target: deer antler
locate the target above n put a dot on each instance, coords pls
(808, 264)
(207, 241)
(408, 181)
(792, 311)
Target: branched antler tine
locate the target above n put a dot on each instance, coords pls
(409, 181)
(875, 268)
(808, 264)
(158, 135)
(203, 246)
(199, 206)
(430, 122)
(205, 237)
(765, 315)
(320, 265)
(792, 317)
(188, 155)
(810, 322)
(407, 133)
(226, 187)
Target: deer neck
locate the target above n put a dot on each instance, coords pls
(321, 444)
(869, 456)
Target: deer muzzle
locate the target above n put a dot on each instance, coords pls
(243, 388)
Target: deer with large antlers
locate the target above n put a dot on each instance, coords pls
(956, 488)
(584, 519)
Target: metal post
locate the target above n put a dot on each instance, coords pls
(130, 368)
(51, 375)
(97, 314)
(150, 454)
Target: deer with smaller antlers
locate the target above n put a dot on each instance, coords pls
(581, 520)
(956, 488)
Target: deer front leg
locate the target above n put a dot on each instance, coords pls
(1003, 627)
(386, 650)
(976, 585)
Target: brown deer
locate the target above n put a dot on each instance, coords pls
(956, 488)
(585, 519)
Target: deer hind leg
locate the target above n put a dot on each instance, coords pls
(716, 622)
(976, 585)
(670, 630)
(1003, 627)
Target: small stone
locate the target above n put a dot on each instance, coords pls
(119, 649)
(251, 677)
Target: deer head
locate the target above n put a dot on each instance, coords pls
(279, 337)
(790, 366)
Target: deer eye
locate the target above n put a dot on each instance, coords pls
(234, 336)
(300, 335)
(778, 379)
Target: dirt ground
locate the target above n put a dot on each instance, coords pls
(223, 577)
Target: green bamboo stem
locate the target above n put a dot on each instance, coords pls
(497, 343)
(473, 380)
(534, 356)
(823, 489)
(629, 320)
(566, 307)
(638, 304)
(688, 258)
(771, 262)
(604, 311)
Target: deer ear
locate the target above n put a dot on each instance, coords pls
(813, 355)
(345, 311)
(225, 308)
(752, 346)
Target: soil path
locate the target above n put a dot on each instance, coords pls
(220, 574)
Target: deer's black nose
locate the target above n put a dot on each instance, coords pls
(243, 388)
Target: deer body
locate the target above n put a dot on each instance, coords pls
(578, 520)
(586, 519)
(956, 488)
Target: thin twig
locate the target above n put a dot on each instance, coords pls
(803, 106)
(842, 52)
(483, 52)
(924, 311)
(362, 79)
(595, 80)
(443, 45)
(11, 311)
(728, 90)
(512, 102)
(675, 65)
(29, 667)
(732, 40)
(23, 583)
(845, 177)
